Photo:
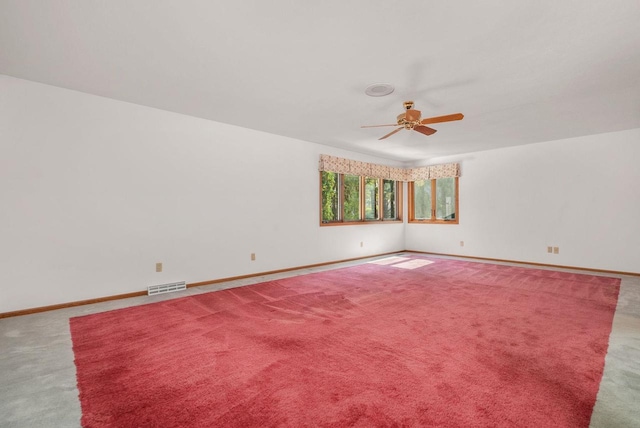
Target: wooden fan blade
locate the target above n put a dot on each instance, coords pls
(391, 133)
(413, 115)
(425, 130)
(439, 119)
(377, 126)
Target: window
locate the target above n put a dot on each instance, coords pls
(329, 190)
(349, 199)
(371, 190)
(434, 201)
(390, 197)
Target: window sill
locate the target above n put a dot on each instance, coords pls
(360, 223)
(434, 221)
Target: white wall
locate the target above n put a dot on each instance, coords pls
(580, 194)
(94, 192)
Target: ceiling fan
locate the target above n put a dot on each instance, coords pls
(411, 120)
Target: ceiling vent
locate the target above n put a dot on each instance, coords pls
(379, 89)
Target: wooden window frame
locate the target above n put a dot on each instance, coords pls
(433, 219)
(341, 222)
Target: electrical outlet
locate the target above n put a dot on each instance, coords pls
(253, 257)
(462, 243)
(556, 250)
(549, 249)
(361, 244)
(158, 267)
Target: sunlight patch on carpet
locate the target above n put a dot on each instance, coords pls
(389, 260)
(412, 264)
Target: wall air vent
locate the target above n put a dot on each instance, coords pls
(166, 288)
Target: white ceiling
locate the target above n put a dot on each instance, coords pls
(520, 71)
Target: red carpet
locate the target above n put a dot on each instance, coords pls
(448, 344)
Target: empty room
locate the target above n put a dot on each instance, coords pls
(329, 214)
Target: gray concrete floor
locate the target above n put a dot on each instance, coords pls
(38, 377)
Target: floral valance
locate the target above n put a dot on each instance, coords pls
(444, 170)
(366, 169)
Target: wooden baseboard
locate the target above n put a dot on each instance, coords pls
(70, 304)
(613, 272)
(194, 284)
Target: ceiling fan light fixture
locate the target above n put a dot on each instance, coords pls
(379, 89)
